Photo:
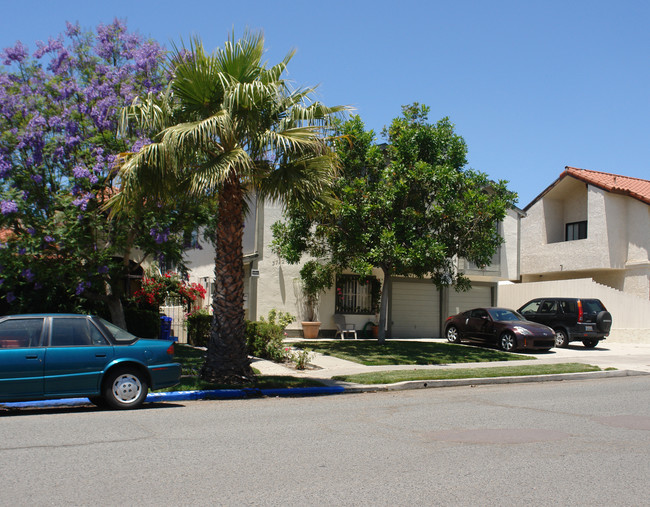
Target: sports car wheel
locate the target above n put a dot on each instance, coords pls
(508, 342)
(125, 388)
(453, 336)
(561, 339)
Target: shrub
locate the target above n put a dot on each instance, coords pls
(198, 328)
(264, 337)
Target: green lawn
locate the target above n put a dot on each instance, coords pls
(390, 377)
(372, 353)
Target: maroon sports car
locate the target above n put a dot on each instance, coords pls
(499, 326)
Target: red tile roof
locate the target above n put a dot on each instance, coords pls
(615, 183)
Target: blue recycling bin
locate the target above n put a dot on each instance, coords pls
(165, 327)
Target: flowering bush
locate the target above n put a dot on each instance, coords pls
(59, 142)
(155, 289)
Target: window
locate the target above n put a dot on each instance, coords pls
(549, 306)
(576, 230)
(19, 333)
(75, 332)
(355, 294)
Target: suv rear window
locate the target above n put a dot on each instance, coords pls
(592, 306)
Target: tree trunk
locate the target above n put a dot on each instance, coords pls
(227, 358)
(383, 310)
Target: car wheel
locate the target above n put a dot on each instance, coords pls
(453, 336)
(561, 338)
(590, 344)
(125, 388)
(508, 342)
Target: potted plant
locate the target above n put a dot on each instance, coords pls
(315, 279)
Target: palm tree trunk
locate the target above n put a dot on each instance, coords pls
(227, 358)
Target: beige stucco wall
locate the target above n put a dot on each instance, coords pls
(615, 252)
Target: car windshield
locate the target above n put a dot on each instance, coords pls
(501, 314)
(119, 334)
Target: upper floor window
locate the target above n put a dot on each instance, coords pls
(576, 230)
(355, 294)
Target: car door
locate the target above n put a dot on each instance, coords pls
(76, 357)
(21, 358)
(478, 325)
(548, 313)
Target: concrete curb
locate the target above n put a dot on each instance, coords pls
(248, 393)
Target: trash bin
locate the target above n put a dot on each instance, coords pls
(165, 327)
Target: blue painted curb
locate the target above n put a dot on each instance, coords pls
(216, 394)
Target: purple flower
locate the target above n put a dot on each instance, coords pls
(15, 54)
(8, 207)
(102, 270)
(37, 178)
(10, 297)
(5, 166)
(72, 30)
(48, 239)
(22, 251)
(80, 171)
(82, 201)
(27, 273)
(81, 287)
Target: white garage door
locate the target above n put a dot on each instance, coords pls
(415, 309)
(479, 295)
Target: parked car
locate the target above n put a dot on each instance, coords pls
(573, 319)
(68, 355)
(500, 326)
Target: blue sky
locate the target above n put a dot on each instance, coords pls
(532, 86)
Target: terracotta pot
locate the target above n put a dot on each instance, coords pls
(310, 330)
(375, 331)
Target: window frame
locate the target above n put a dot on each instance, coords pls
(355, 304)
(578, 230)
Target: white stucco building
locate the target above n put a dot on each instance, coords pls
(589, 224)
(416, 307)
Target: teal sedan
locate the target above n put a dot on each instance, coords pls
(68, 355)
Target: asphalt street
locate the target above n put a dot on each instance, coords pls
(537, 444)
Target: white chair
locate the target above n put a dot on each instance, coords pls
(342, 328)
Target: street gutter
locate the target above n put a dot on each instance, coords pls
(342, 388)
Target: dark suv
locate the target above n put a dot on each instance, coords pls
(572, 319)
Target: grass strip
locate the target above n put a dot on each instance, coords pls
(391, 377)
(373, 353)
(261, 382)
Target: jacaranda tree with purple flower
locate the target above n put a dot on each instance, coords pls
(59, 111)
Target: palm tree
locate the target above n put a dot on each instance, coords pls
(226, 128)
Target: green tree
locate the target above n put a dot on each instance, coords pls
(229, 127)
(409, 208)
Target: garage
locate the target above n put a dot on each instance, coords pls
(479, 295)
(415, 309)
